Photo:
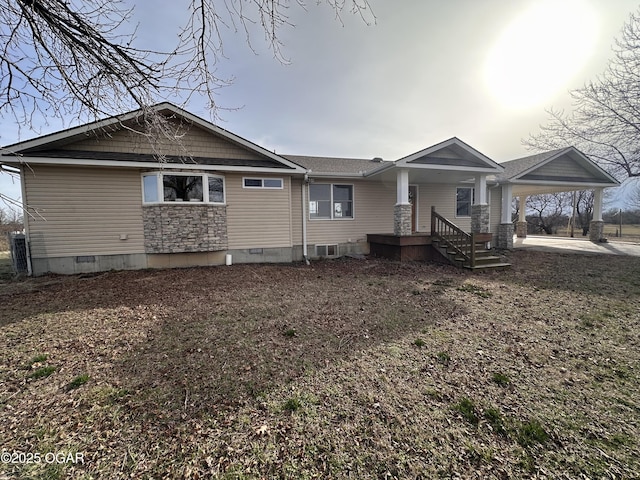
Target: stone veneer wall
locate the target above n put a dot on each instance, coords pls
(402, 220)
(521, 229)
(505, 236)
(596, 231)
(480, 218)
(184, 228)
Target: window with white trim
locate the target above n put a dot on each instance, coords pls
(182, 187)
(464, 200)
(267, 183)
(330, 201)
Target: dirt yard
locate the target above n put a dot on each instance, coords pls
(344, 369)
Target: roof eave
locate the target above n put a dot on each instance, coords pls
(25, 160)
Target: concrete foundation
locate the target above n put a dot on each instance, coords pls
(88, 264)
(596, 231)
(504, 240)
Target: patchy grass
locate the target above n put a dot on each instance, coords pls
(77, 382)
(205, 382)
(468, 410)
(531, 432)
(500, 379)
(42, 372)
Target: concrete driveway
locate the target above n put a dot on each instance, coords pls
(575, 245)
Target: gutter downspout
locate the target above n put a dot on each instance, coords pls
(304, 220)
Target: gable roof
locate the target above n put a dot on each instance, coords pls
(537, 167)
(47, 148)
(451, 154)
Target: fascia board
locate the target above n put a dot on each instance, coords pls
(561, 183)
(144, 165)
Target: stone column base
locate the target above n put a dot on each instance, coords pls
(505, 236)
(596, 231)
(480, 218)
(521, 229)
(402, 220)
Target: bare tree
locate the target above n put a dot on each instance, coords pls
(584, 209)
(63, 58)
(605, 120)
(550, 210)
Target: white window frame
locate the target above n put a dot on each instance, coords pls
(205, 188)
(262, 183)
(473, 196)
(332, 209)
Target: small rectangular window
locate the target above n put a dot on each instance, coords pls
(216, 190)
(275, 183)
(464, 200)
(272, 183)
(150, 188)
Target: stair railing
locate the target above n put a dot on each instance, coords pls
(453, 237)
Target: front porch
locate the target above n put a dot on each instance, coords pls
(445, 242)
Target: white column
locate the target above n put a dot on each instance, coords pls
(597, 204)
(522, 208)
(481, 190)
(402, 188)
(507, 194)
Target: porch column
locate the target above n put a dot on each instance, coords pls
(480, 208)
(505, 229)
(596, 227)
(402, 209)
(521, 226)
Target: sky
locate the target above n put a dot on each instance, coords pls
(424, 71)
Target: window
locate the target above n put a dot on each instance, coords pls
(182, 187)
(464, 200)
(328, 201)
(275, 183)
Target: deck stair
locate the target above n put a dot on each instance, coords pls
(462, 249)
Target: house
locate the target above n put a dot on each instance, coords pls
(114, 195)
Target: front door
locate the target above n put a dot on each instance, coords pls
(413, 200)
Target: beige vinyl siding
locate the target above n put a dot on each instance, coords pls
(85, 211)
(563, 167)
(195, 142)
(443, 197)
(495, 208)
(258, 218)
(296, 210)
(373, 213)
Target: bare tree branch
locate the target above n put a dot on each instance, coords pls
(605, 120)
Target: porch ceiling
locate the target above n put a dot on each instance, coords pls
(428, 175)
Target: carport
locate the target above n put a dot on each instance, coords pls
(562, 170)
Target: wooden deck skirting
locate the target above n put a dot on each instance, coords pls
(403, 248)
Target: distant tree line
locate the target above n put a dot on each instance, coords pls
(10, 221)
